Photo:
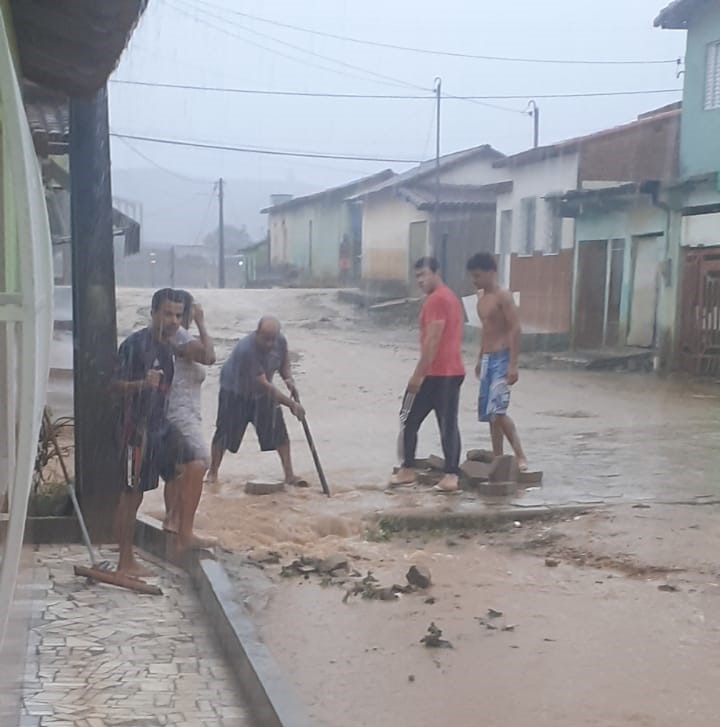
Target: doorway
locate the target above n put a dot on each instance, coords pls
(590, 297)
(643, 304)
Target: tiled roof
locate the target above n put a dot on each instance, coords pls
(49, 118)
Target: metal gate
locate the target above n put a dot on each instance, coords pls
(700, 312)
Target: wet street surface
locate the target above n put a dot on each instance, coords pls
(101, 656)
(622, 628)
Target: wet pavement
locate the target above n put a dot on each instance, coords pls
(101, 656)
(599, 437)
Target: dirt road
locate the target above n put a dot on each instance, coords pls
(595, 641)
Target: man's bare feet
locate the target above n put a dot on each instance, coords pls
(447, 484)
(522, 464)
(211, 478)
(133, 569)
(296, 481)
(404, 477)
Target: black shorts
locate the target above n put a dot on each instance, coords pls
(235, 412)
(155, 455)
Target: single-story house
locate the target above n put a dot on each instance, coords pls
(319, 235)
(447, 211)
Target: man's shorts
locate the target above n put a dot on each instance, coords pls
(494, 397)
(157, 454)
(235, 412)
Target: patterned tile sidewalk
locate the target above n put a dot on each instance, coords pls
(101, 656)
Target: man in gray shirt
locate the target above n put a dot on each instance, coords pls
(247, 395)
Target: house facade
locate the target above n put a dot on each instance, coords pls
(546, 224)
(319, 235)
(448, 212)
(694, 200)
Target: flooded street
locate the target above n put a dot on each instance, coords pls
(596, 642)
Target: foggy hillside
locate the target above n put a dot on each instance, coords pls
(178, 210)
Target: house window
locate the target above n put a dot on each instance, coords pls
(712, 77)
(527, 225)
(554, 228)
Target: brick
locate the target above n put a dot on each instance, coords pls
(258, 487)
(480, 455)
(475, 471)
(503, 469)
(497, 489)
(530, 478)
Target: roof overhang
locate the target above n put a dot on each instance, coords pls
(679, 13)
(72, 46)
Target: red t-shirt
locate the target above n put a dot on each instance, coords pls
(442, 305)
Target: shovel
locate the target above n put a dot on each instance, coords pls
(313, 451)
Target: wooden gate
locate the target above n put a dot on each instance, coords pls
(699, 335)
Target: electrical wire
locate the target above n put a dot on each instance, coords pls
(263, 151)
(149, 160)
(435, 52)
(391, 97)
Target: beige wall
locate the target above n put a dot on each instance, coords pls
(387, 219)
(385, 235)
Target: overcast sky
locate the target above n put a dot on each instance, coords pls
(203, 42)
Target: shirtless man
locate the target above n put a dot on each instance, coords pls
(497, 366)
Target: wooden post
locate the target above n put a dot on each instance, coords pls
(98, 458)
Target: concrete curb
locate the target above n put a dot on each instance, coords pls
(261, 682)
(488, 519)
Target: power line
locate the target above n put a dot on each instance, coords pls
(393, 97)
(222, 29)
(378, 77)
(132, 148)
(434, 52)
(268, 152)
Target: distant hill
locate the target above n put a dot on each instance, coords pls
(177, 211)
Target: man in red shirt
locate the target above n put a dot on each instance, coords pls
(438, 376)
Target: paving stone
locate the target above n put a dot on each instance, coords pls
(259, 487)
(475, 471)
(107, 657)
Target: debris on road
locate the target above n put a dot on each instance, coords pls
(552, 562)
(492, 613)
(433, 638)
(419, 577)
(667, 588)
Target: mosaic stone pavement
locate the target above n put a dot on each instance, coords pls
(100, 656)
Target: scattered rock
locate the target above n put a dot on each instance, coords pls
(430, 600)
(552, 563)
(419, 577)
(264, 557)
(641, 506)
(411, 677)
(508, 627)
(492, 613)
(667, 588)
(433, 638)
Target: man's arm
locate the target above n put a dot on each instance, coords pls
(272, 391)
(512, 318)
(201, 349)
(433, 334)
(286, 373)
(122, 382)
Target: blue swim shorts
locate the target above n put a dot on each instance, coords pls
(494, 397)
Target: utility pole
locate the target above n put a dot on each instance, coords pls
(534, 111)
(436, 221)
(221, 234)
